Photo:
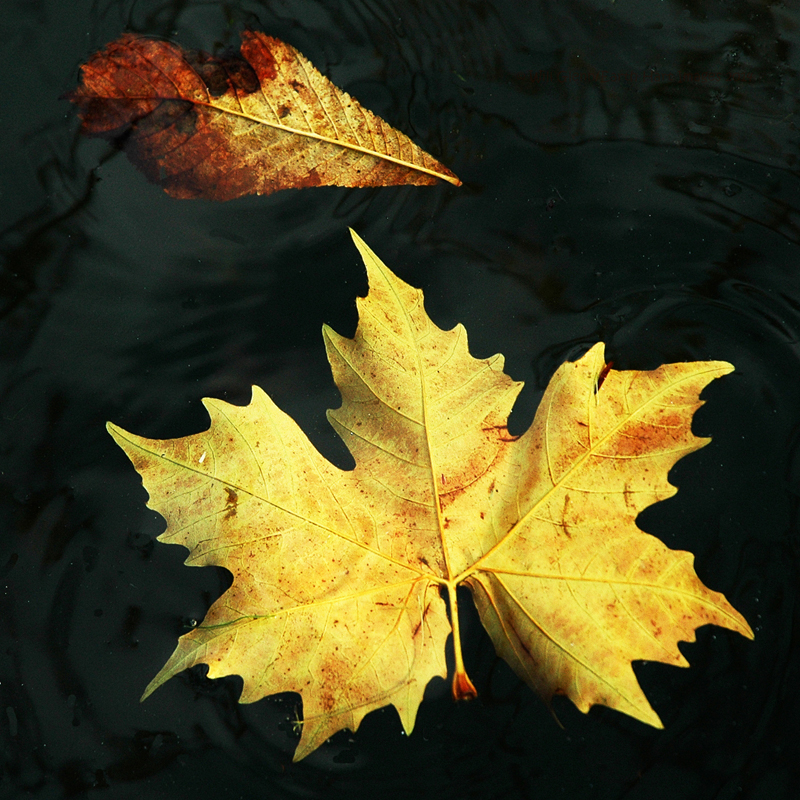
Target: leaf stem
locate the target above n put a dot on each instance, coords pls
(462, 685)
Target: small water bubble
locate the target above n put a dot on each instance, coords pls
(732, 189)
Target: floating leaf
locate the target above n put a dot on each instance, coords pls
(224, 126)
(339, 576)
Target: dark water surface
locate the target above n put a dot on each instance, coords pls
(631, 176)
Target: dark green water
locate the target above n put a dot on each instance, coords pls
(630, 176)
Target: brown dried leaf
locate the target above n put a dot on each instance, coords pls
(220, 127)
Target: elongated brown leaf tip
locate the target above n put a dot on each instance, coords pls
(219, 127)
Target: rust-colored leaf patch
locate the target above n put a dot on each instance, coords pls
(340, 575)
(219, 127)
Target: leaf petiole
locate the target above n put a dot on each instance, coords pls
(462, 685)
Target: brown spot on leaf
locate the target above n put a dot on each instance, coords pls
(242, 76)
(327, 701)
(231, 503)
(504, 436)
(209, 70)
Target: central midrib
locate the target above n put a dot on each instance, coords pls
(426, 428)
(308, 134)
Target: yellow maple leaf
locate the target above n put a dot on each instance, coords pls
(339, 575)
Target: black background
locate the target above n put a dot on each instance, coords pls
(630, 176)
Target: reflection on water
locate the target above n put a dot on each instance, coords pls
(630, 176)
